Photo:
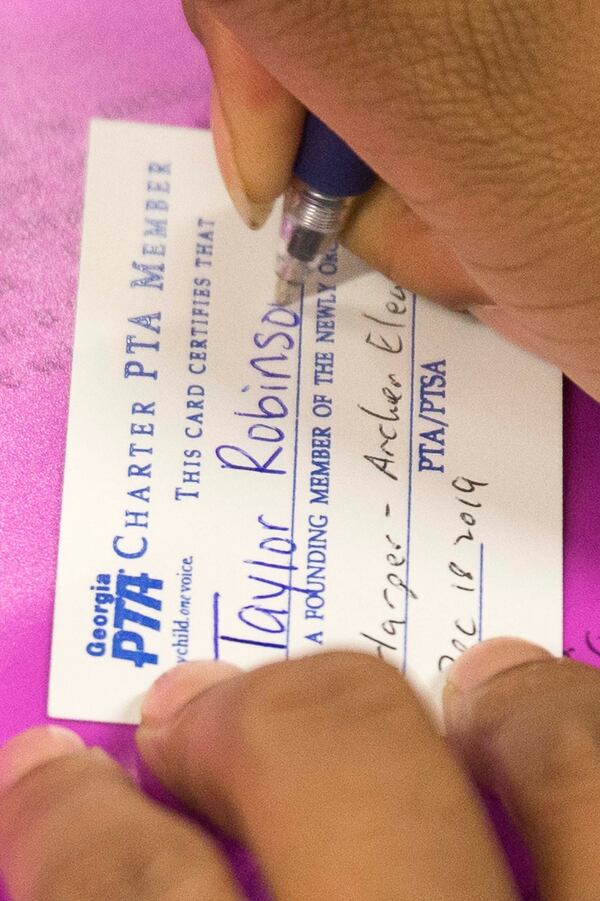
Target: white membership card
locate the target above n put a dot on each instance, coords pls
(249, 482)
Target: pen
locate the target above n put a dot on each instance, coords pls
(327, 176)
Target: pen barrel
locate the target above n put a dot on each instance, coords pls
(314, 211)
(327, 175)
(326, 163)
(310, 224)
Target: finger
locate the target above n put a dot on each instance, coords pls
(331, 771)
(256, 123)
(388, 235)
(74, 828)
(529, 728)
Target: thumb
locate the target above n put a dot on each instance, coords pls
(528, 728)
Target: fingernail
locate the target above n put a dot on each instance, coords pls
(253, 214)
(175, 688)
(31, 749)
(489, 658)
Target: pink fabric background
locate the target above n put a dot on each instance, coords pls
(61, 64)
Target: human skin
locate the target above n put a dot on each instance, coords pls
(331, 771)
(482, 120)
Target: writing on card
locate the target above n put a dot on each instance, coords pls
(361, 469)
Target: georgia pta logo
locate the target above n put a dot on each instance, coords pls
(125, 619)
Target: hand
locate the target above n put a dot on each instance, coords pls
(329, 769)
(482, 120)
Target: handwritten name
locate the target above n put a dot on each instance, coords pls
(260, 447)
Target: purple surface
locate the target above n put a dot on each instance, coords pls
(62, 64)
